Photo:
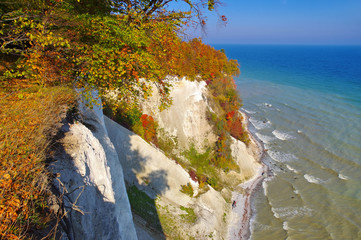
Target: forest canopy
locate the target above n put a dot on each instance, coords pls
(106, 44)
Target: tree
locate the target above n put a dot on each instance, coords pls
(149, 8)
(106, 44)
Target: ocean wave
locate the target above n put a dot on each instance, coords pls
(265, 138)
(291, 169)
(265, 187)
(257, 227)
(312, 179)
(285, 226)
(260, 124)
(282, 135)
(281, 157)
(268, 104)
(248, 111)
(264, 105)
(284, 212)
(343, 177)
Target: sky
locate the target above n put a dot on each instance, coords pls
(306, 22)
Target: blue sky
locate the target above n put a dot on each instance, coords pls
(286, 22)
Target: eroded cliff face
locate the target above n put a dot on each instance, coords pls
(161, 178)
(91, 178)
(186, 119)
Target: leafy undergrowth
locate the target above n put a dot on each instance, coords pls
(190, 217)
(27, 115)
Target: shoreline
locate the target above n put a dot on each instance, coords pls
(240, 216)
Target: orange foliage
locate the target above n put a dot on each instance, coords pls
(235, 127)
(223, 158)
(192, 59)
(149, 126)
(23, 117)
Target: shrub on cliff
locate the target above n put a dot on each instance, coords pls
(150, 128)
(235, 126)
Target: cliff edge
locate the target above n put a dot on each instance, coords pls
(90, 179)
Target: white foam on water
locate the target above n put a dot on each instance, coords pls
(285, 226)
(248, 111)
(267, 104)
(260, 124)
(343, 177)
(265, 138)
(265, 187)
(264, 105)
(285, 212)
(282, 157)
(312, 179)
(282, 135)
(291, 169)
(259, 226)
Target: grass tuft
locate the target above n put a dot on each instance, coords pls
(190, 217)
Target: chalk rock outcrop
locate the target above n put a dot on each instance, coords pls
(186, 118)
(91, 179)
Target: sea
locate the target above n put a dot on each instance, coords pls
(304, 105)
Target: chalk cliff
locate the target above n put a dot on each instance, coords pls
(100, 158)
(186, 118)
(91, 179)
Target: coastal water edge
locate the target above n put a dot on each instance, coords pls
(304, 104)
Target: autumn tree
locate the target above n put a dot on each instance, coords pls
(150, 8)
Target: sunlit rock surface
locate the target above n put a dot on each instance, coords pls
(91, 179)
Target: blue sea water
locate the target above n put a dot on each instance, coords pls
(304, 104)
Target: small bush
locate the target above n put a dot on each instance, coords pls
(167, 143)
(187, 189)
(199, 161)
(236, 128)
(132, 119)
(213, 182)
(190, 217)
(129, 117)
(223, 158)
(150, 127)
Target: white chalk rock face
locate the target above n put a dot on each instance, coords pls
(146, 166)
(186, 118)
(245, 160)
(92, 182)
(151, 171)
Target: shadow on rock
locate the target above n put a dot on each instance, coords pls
(145, 179)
